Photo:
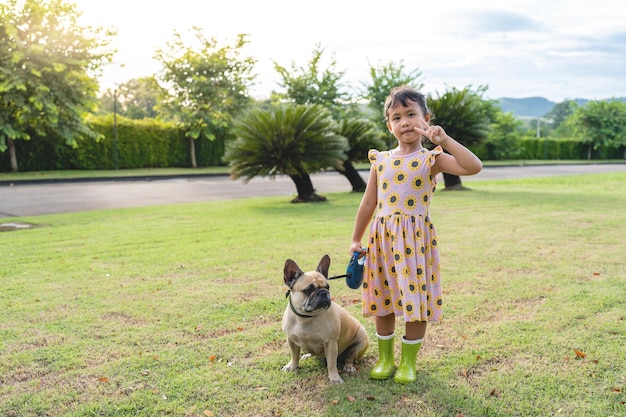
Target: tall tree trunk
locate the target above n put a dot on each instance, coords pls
(12, 154)
(192, 152)
(452, 182)
(304, 186)
(358, 185)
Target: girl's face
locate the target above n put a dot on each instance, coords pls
(402, 121)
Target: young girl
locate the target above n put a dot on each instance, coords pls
(401, 272)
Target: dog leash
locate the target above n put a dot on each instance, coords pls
(354, 272)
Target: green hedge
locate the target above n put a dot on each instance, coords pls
(140, 144)
(149, 143)
(549, 149)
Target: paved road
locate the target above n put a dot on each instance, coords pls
(20, 200)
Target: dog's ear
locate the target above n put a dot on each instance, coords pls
(292, 272)
(324, 265)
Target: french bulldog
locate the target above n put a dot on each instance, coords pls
(316, 325)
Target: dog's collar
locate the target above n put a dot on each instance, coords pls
(293, 308)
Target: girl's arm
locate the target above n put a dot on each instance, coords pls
(460, 161)
(365, 212)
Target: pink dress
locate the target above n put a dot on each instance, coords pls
(401, 272)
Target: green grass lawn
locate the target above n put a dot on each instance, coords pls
(175, 310)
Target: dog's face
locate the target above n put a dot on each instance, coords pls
(309, 291)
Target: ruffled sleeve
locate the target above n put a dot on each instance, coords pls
(371, 155)
(433, 153)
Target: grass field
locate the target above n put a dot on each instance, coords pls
(175, 310)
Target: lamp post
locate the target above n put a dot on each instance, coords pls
(115, 128)
(546, 122)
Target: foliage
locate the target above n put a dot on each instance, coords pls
(168, 143)
(560, 112)
(463, 114)
(136, 99)
(361, 135)
(550, 149)
(47, 67)
(383, 79)
(503, 137)
(289, 139)
(141, 144)
(205, 86)
(602, 123)
(312, 85)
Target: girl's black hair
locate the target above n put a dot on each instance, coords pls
(401, 95)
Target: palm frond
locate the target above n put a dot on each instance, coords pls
(288, 139)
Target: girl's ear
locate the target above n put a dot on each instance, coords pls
(427, 118)
(389, 127)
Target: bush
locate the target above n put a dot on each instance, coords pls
(545, 148)
(149, 143)
(146, 143)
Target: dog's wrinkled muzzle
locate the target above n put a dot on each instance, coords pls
(320, 299)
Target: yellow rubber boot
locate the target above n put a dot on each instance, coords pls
(406, 372)
(384, 367)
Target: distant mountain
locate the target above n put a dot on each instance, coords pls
(534, 106)
(526, 107)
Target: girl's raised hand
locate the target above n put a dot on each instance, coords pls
(435, 134)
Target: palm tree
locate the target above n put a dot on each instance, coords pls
(290, 139)
(362, 135)
(465, 116)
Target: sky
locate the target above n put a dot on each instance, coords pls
(556, 49)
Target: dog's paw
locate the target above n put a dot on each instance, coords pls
(349, 369)
(335, 379)
(290, 367)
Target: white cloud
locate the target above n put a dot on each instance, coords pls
(519, 48)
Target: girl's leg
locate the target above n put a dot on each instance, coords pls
(385, 325)
(384, 334)
(415, 330)
(411, 344)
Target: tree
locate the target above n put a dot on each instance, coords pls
(601, 124)
(289, 139)
(312, 85)
(48, 65)
(362, 135)
(465, 116)
(386, 77)
(204, 88)
(136, 99)
(560, 112)
(383, 79)
(505, 132)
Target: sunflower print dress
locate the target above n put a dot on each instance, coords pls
(401, 272)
